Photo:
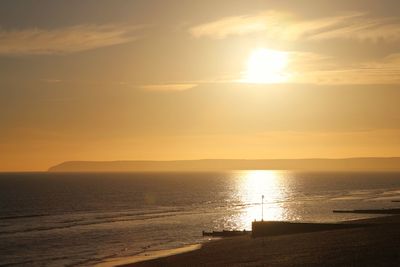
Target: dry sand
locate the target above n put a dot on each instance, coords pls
(377, 245)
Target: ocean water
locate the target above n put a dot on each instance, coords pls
(50, 219)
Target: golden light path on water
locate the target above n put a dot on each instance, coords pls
(250, 186)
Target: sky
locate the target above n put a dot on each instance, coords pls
(174, 80)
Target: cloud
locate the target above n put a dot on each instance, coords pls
(311, 68)
(286, 26)
(315, 68)
(235, 25)
(362, 28)
(169, 87)
(323, 70)
(66, 40)
(51, 80)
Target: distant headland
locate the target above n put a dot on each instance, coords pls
(347, 164)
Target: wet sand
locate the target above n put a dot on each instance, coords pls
(376, 245)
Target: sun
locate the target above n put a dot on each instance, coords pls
(267, 66)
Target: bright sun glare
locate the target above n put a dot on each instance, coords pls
(250, 186)
(267, 66)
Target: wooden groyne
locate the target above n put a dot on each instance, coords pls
(370, 211)
(271, 228)
(226, 233)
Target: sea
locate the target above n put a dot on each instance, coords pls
(83, 219)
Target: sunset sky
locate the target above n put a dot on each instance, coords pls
(166, 80)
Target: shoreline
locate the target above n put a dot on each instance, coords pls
(162, 253)
(147, 256)
(353, 246)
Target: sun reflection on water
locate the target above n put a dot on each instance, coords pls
(251, 185)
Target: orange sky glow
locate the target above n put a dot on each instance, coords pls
(166, 80)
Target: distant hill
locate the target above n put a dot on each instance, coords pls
(349, 164)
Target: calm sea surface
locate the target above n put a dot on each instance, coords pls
(49, 219)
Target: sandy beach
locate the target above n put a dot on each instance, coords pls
(375, 245)
(146, 256)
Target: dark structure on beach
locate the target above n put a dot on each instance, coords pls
(270, 228)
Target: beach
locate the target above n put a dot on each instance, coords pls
(376, 244)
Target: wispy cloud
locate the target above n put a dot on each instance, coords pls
(169, 87)
(310, 68)
(286, 26)
(66, 40)
(51, 80)
(323, 70)
(236, 25)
